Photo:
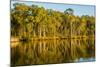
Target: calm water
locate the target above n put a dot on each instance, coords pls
(52, 51)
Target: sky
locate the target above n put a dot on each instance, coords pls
(78, 9)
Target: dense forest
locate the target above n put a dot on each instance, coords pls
(46, 36)
(37, 22)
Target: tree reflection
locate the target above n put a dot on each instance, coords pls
(52, 51)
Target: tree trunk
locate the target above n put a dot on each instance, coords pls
(54, 34)
(34, 33)
(44, 32)
(40, 32)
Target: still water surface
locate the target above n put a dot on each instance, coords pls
(53, 51)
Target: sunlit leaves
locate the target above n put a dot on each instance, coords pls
(38, 21)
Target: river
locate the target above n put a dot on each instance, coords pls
(52, 51)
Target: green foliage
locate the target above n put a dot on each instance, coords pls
(69, 11)
(34, 21)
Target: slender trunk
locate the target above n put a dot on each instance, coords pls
(40, 32)
(44, 46)
(44, 32)
(34, 33)
(41, 47)
(54, 34)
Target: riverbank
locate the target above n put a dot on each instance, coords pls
(15, 39)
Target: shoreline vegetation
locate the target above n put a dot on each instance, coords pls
(46, 36)
(34, 22)
(31, 23)
(16, 39)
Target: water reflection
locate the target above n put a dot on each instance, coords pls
(52, 51)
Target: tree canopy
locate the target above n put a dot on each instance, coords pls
(34, 21)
